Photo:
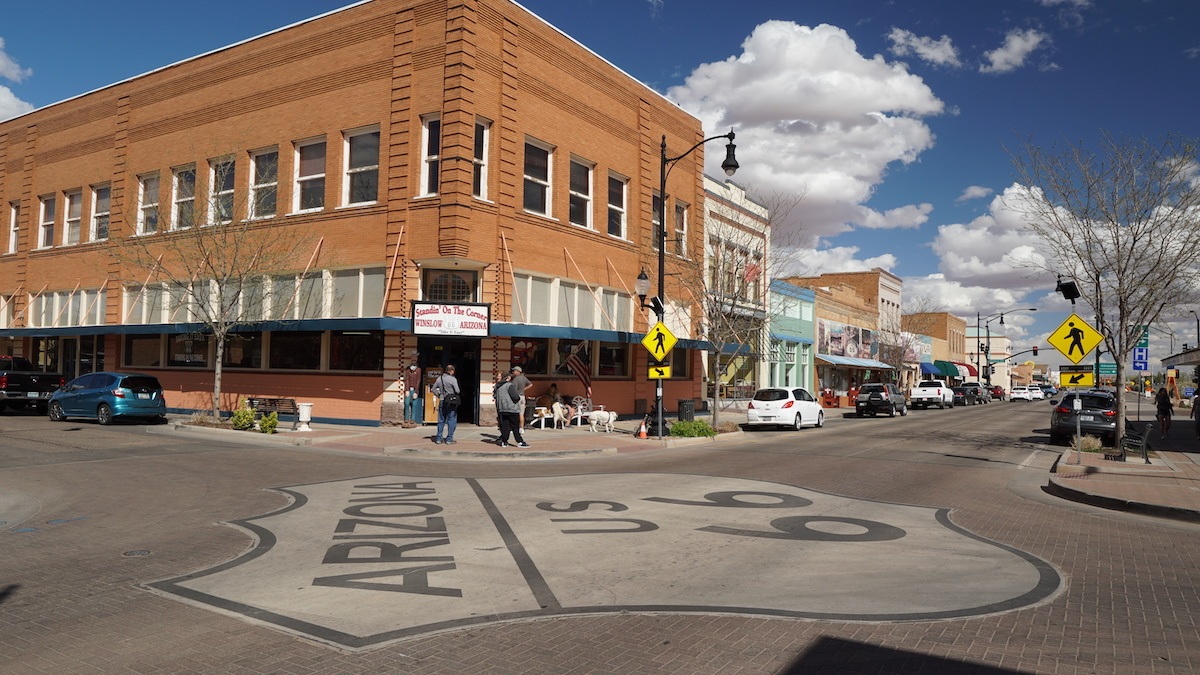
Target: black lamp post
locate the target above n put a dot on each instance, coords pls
(985, 348)
(642, 285)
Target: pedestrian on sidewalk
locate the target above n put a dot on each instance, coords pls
(1195, 414)
(522, 385)
(449, 396)
(1162, 401)
(508, 406)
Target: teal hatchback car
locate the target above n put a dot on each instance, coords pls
(107, 396)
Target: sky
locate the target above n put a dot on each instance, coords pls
(896, 120)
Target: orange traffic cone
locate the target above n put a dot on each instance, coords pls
(642, 430)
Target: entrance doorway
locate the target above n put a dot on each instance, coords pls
(81, 355)
(439, 352)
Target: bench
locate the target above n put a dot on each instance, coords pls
(279, 406)
(1132, 442)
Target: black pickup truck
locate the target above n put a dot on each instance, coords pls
(22, 385)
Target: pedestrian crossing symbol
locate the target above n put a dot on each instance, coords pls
(1075, 338)
(659, 341)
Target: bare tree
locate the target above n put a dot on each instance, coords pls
(900, 334)
(210, 263)
(729, 287)
(1123, 222)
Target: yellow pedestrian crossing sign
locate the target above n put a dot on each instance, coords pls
(658, 371)
(1075, 338)
(659, 341)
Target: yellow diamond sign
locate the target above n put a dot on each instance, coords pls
(659, 341)
(1075, 338)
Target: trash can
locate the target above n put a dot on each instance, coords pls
(687, 409)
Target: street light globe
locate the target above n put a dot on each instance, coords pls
(641, 285)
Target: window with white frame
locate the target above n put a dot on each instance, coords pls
(310, 176)
(576, 306)
(148, 204)
(221, 184)
(483, 131)
(356, 292)
(537, 171)
(618, 310)
(6, 311)
(74, 217)
(179, 301)
(681, 226)
(264, 183)
(47, 222)
(431, 154)
(184, 196)
(14, 225)
(656, 229)
(79, 307)
(101, 205)
(580, 211)
(361, 185)
(617, 186)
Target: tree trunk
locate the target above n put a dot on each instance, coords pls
(217, 377)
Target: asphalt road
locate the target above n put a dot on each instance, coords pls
(898, 544)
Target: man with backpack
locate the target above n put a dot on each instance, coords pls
(449, 396)
(508, 405)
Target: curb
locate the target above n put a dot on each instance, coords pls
(1054, 487)
(240, 436)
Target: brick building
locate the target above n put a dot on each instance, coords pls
(466, 162)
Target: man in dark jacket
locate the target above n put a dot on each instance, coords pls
(508, 406)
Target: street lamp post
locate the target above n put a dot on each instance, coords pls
(986, 348)
(642, 285)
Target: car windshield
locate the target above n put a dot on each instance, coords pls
(770, 395)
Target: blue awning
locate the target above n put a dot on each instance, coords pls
(853, 362)
(929, 369)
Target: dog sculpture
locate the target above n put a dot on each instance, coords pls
(603, 418)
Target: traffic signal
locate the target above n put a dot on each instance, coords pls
(992, 370)
(1035, 351)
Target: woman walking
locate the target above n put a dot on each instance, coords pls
(1162, 401)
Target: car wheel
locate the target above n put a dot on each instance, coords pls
(104, 414)
(904, 411)
(820, 418)
(893, 411)
(56, 412)
(798, 424)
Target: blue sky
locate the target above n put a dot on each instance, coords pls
(893, 117)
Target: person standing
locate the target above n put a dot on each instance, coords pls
(1162, 402)
(522, 385)
(449, 396)
(508, 403)
(412, 389)
(1195, 414)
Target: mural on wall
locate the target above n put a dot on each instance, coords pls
(917, 348)
(839, 339)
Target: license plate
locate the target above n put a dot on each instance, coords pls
(767, 417)
(33, 394)
(1087, 418)
(143, 395)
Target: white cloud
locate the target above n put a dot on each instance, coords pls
(10, 105)
(975, 192)
(9, 69)
(939, 52)
(805, 261)
(1018, 45)
(818, 118)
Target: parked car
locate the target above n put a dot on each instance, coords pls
(998, 392)
(1020, 393)
(964, 396)
(1097, 416)
(931, 392)
(777, 406)
(982, 393)
(22, 385)
(1036, 393)
(107, 396)
(875, 398)
(1048, 390)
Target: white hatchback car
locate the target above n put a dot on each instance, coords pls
(1036, 394)
(777, 406)
(1021, 393)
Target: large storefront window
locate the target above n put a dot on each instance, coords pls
(188, 350)
(243, 350)
(680, 363)
(143, 350)
(299, 350)
(356, 350)
(613, 360)
(532, 354)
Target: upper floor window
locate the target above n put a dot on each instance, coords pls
(357, 292)
(148, 204)
(681, 225)
(74, 217)
(538, 158)
(14, 225)
(362, 167)
(101, 205)
(222, 182)
(616, 205)
(450, 286)
(264, 187)
(184, 196)
(580, 212)
(431, 155)
(47, 223)
(310, 176)
(483, 131)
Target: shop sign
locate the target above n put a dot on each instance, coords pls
(452, 319)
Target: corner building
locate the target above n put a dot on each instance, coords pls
(446, 159)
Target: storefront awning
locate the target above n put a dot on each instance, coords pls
(929, 369)
(946, 368)
(967, 370)
(852, 362)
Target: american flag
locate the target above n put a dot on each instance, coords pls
(579, 367)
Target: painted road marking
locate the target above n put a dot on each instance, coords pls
(359, 563)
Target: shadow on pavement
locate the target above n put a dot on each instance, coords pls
(8, 590)
(835, 655)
